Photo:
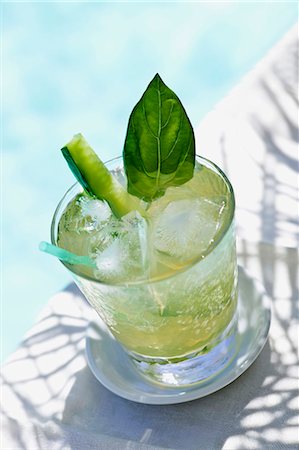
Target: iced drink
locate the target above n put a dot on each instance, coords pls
(158, 227)
(166, 286)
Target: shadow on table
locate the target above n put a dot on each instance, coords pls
(184, 426)
(35, 377)
(256, 405)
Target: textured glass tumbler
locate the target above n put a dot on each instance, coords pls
(180, 329)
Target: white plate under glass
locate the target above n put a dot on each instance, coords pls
(113, 368)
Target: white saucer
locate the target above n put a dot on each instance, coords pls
(114, 369)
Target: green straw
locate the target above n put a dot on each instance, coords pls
(65, 255)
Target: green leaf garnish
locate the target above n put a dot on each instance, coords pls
(159, 147)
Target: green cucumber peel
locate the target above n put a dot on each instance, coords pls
(75, 170)
(96, 179)
(159, 148)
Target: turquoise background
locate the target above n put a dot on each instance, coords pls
(81, 67)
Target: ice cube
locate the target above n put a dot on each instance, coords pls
(125, 258)
(186, 228)
(97, 210)
(110, 261)
(82, 227)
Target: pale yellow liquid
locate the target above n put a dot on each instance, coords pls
(183, 305)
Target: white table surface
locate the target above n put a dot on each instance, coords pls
(50, 399)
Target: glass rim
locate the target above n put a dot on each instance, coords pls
(186, 267)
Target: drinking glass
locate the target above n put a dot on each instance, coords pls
(178, 329)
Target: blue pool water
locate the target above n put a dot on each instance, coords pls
(70, 67)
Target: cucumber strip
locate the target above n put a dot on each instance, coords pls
(96, 179)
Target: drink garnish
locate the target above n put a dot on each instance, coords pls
(159, 147)
(159, 152)
(96, 179)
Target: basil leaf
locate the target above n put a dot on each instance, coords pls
(159, 148)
